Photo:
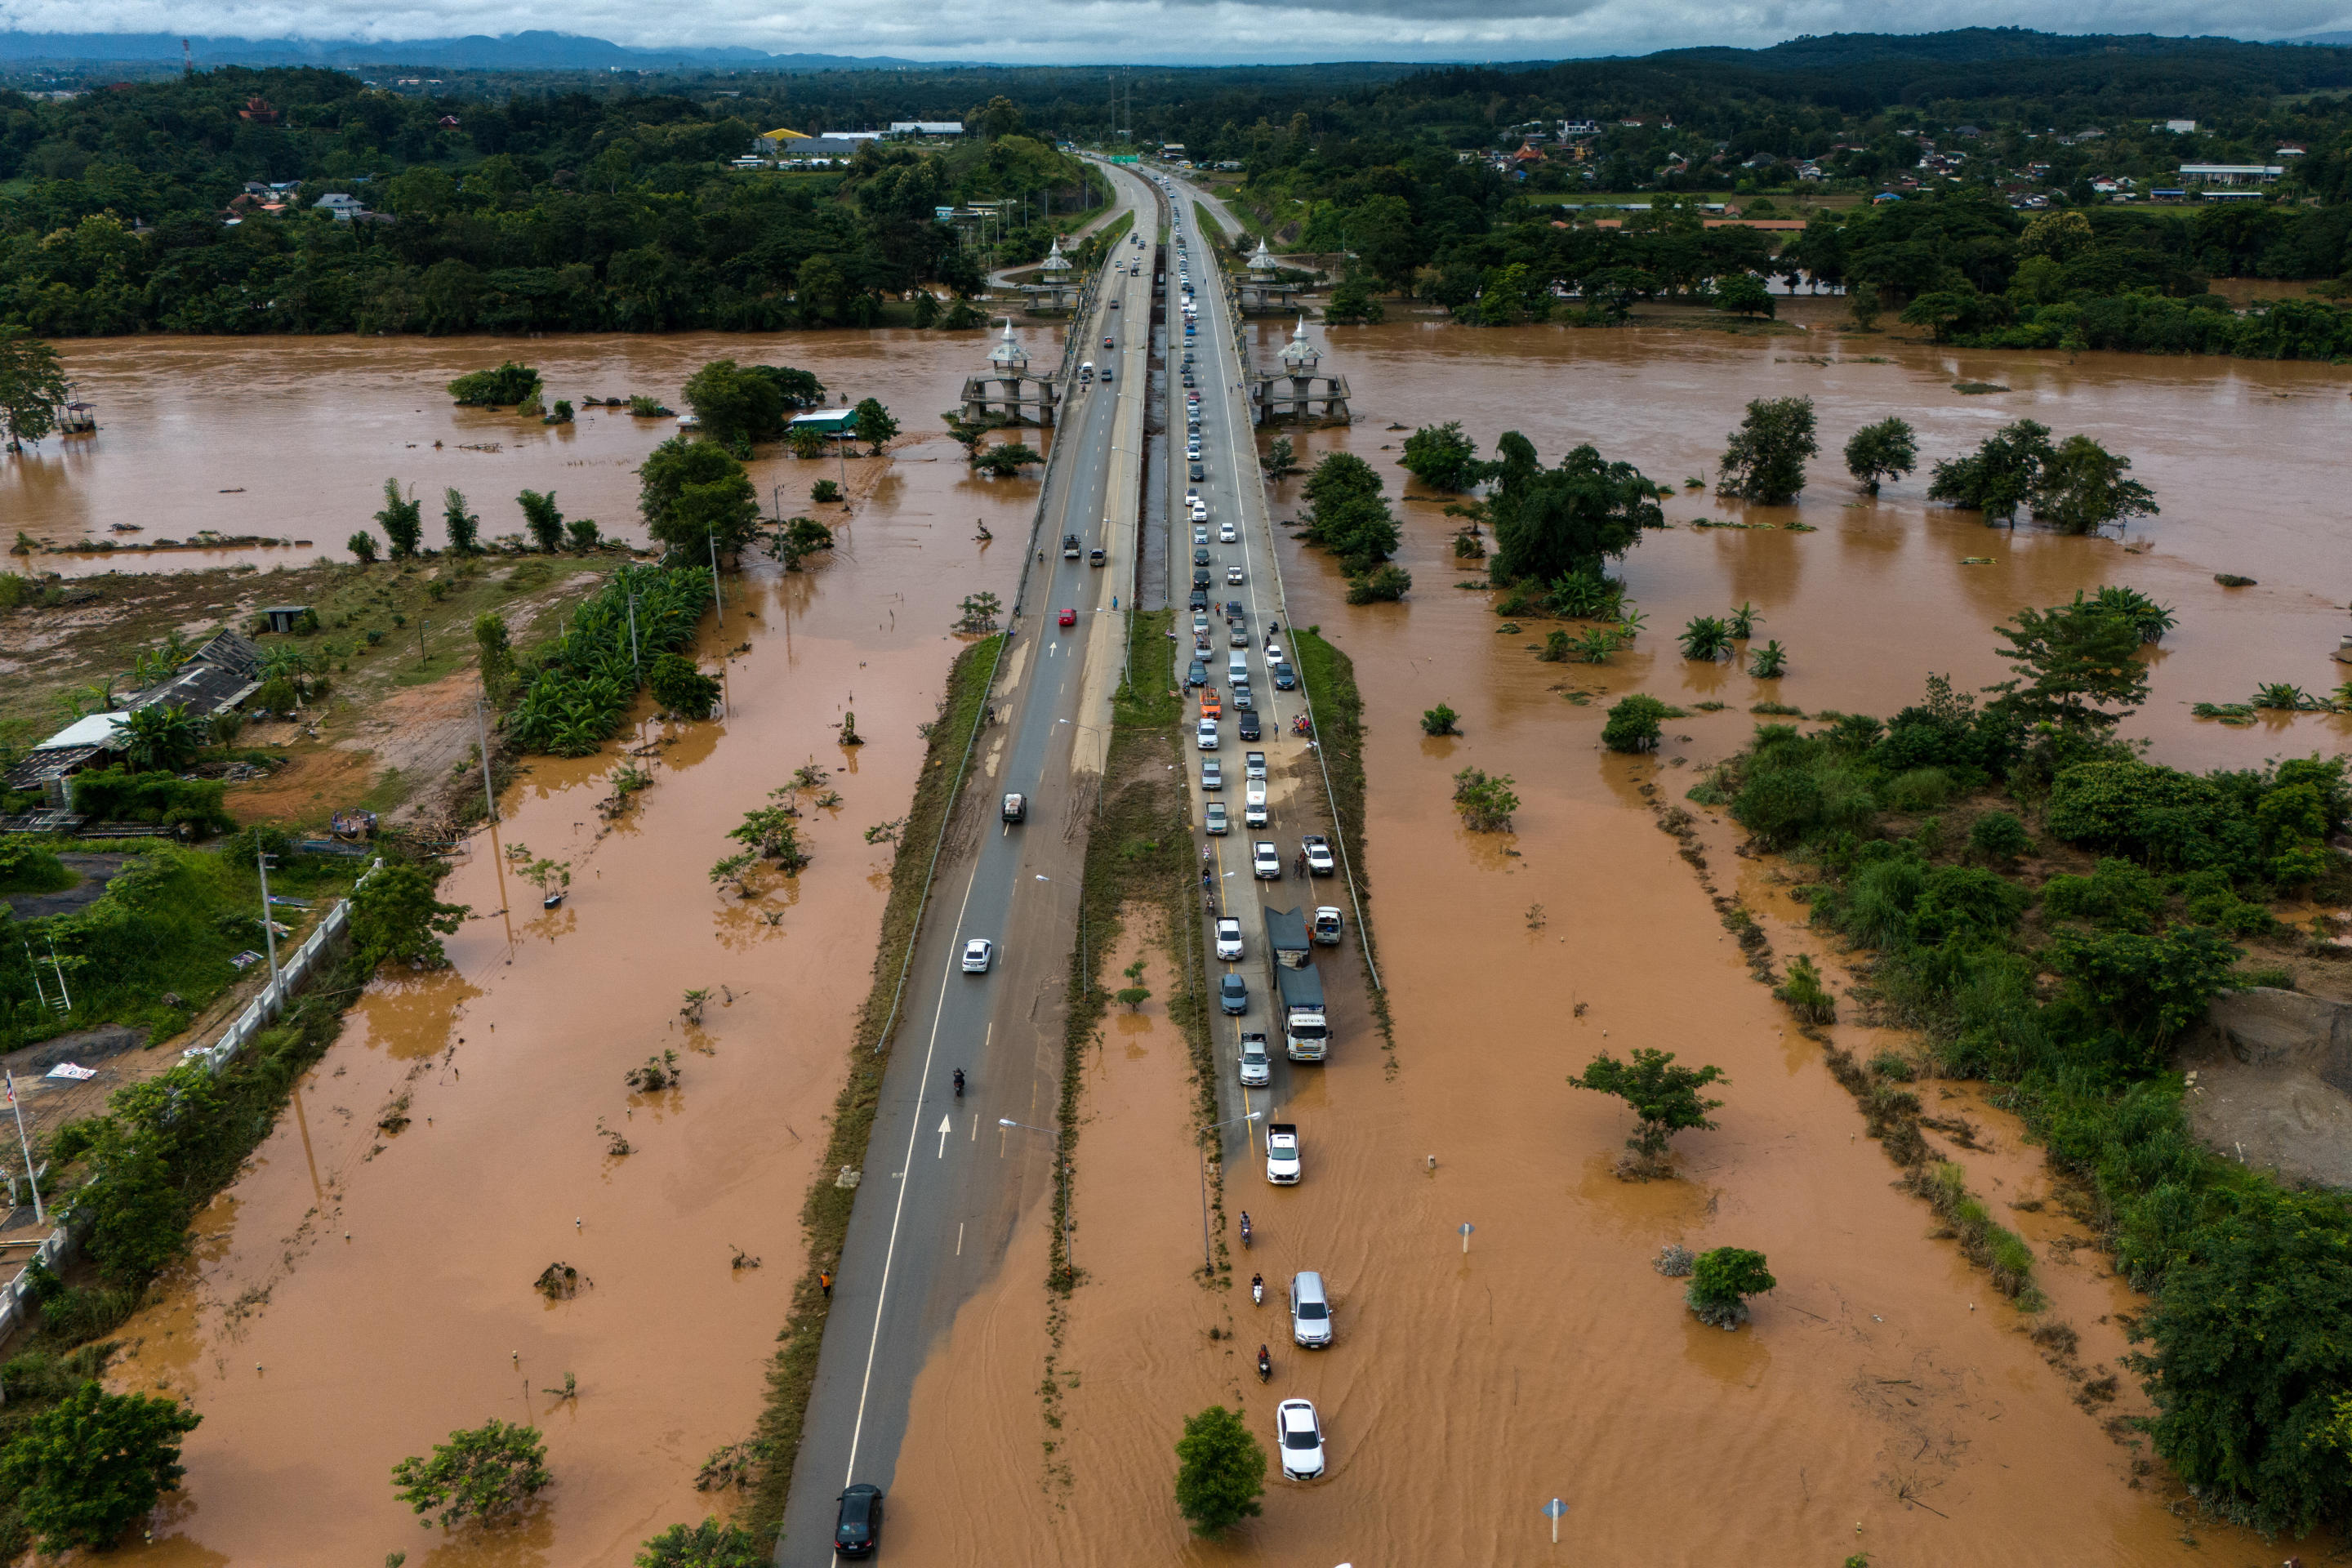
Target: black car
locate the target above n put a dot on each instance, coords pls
(1200, 598)
(1201, 580)
(1188, 378)
(1250, 728)
(1200, 558)
(860, 1528)
(1285, 678)
(1199, 473)
(1232, 609)
(1233, 993)
(1196, 674)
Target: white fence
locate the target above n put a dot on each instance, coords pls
(299, 966)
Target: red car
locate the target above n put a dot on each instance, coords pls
(1069, 618)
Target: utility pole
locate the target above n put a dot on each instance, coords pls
(40, 1216)
(482, 727)
(269, 929)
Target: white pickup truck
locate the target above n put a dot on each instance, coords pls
(1282, 1154)
(1317, 850)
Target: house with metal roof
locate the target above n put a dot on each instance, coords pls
(827, 422)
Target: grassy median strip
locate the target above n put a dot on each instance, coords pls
(1326, 678)
(824, 1213)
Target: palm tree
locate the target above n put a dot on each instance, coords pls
(1771, 662)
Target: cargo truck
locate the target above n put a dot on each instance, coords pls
(1305, 1034)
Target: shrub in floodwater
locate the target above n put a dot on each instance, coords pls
(1665, 1098)
(1633, 723)
(1673, 1260)
(1485, 800)
(1807, 998)
(1439, 720)
(1721, 1281)
(488, 1473)
(710, 1545)
(83, 1470)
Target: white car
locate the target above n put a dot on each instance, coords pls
(978, 954)
(1212, 774)
(1229, 938)
(1254, 767)
(1200, 534)
(1205, 737)
(1274, 653)
(1282, 1154)
(1213, 818)
(1257, 1068)
(1266, 861)
(1233, 573)
(1254, 807)
(1300, 1436)
(1226, 534)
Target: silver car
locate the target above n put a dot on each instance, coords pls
(1310, 1312)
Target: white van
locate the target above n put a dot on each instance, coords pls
(1237, 666)
(1254, 807)
(1310, 1312)
(1085, 372)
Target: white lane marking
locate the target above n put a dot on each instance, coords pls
(946, 1126)
(898, 1210)
(959, 1239)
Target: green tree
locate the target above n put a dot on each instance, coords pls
(162, 736)
(1745, 294)
(1006, 460)
(874, 425)
(488, 1473)
(395, 916)
(681, 687)
(1485, 800)
(1281, 458)
(1886, 450)
(1998, 837)
(1666, 1098)
(497, 649)
(1721, 1281)
(462, 527)
(2142, 991)
(32, 386)
(2000, 476)
(1383, 584)
(801, 537)
(1351, 302)
(1440, 720)
(1707, 640)
(1347, 513)
(1219, 1471)
(581, 533)
(1765, 460)
(693, 494)
(1441, 457)
(2073, 663)
(362, 547)
(84, 1470)
(1000, 118)
(509, 384)
(1551, 523)
(710, 1545)
(403, 521)
(805, 441)
(2080, 487)
(735, 406)
(1633, 725)
(541, 519)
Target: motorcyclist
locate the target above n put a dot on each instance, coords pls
(1245, 1227)
(1257, 1288)
(958, 1083)
(1264, 1364)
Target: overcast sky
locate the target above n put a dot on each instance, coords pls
(1172, 31)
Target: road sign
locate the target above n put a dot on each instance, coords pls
(1552, 1511)
(1466, 1230)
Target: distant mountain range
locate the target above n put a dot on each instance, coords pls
(515, 51)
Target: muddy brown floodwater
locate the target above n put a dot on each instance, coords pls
(294, 438)
(1886, 1400)
(359, 1293)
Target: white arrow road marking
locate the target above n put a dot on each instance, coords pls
(946, 1126)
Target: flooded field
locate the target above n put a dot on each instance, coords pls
(1885, 1401)
(294, 438)
(364, 1291)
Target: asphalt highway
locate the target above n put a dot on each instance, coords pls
(944, 1185)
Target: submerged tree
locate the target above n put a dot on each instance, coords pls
(2082, 489)
(1219, 1471)
(488, 1473)
(2075, 664)
(1665, 1098)
(1765, 460)
(1564, 521)
(2000, 476)
(1441, 457)
(1886, 450)
(32, 386)
(85, 1469)
(1721, 1281)
(1485, 800)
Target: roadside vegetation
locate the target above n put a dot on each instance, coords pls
(2051, 913)
(1327, 679)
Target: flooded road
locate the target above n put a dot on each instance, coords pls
(362, 1291)
(1885, 1401)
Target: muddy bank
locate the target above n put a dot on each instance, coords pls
(227, 433)
(507, 1070)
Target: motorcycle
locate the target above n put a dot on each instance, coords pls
(1264, 1365)
(1245, 1227)
(958, 1083)
(1257, 1289)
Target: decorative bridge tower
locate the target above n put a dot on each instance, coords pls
(1296, 391)
(1262, 292)
(1006, 394)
